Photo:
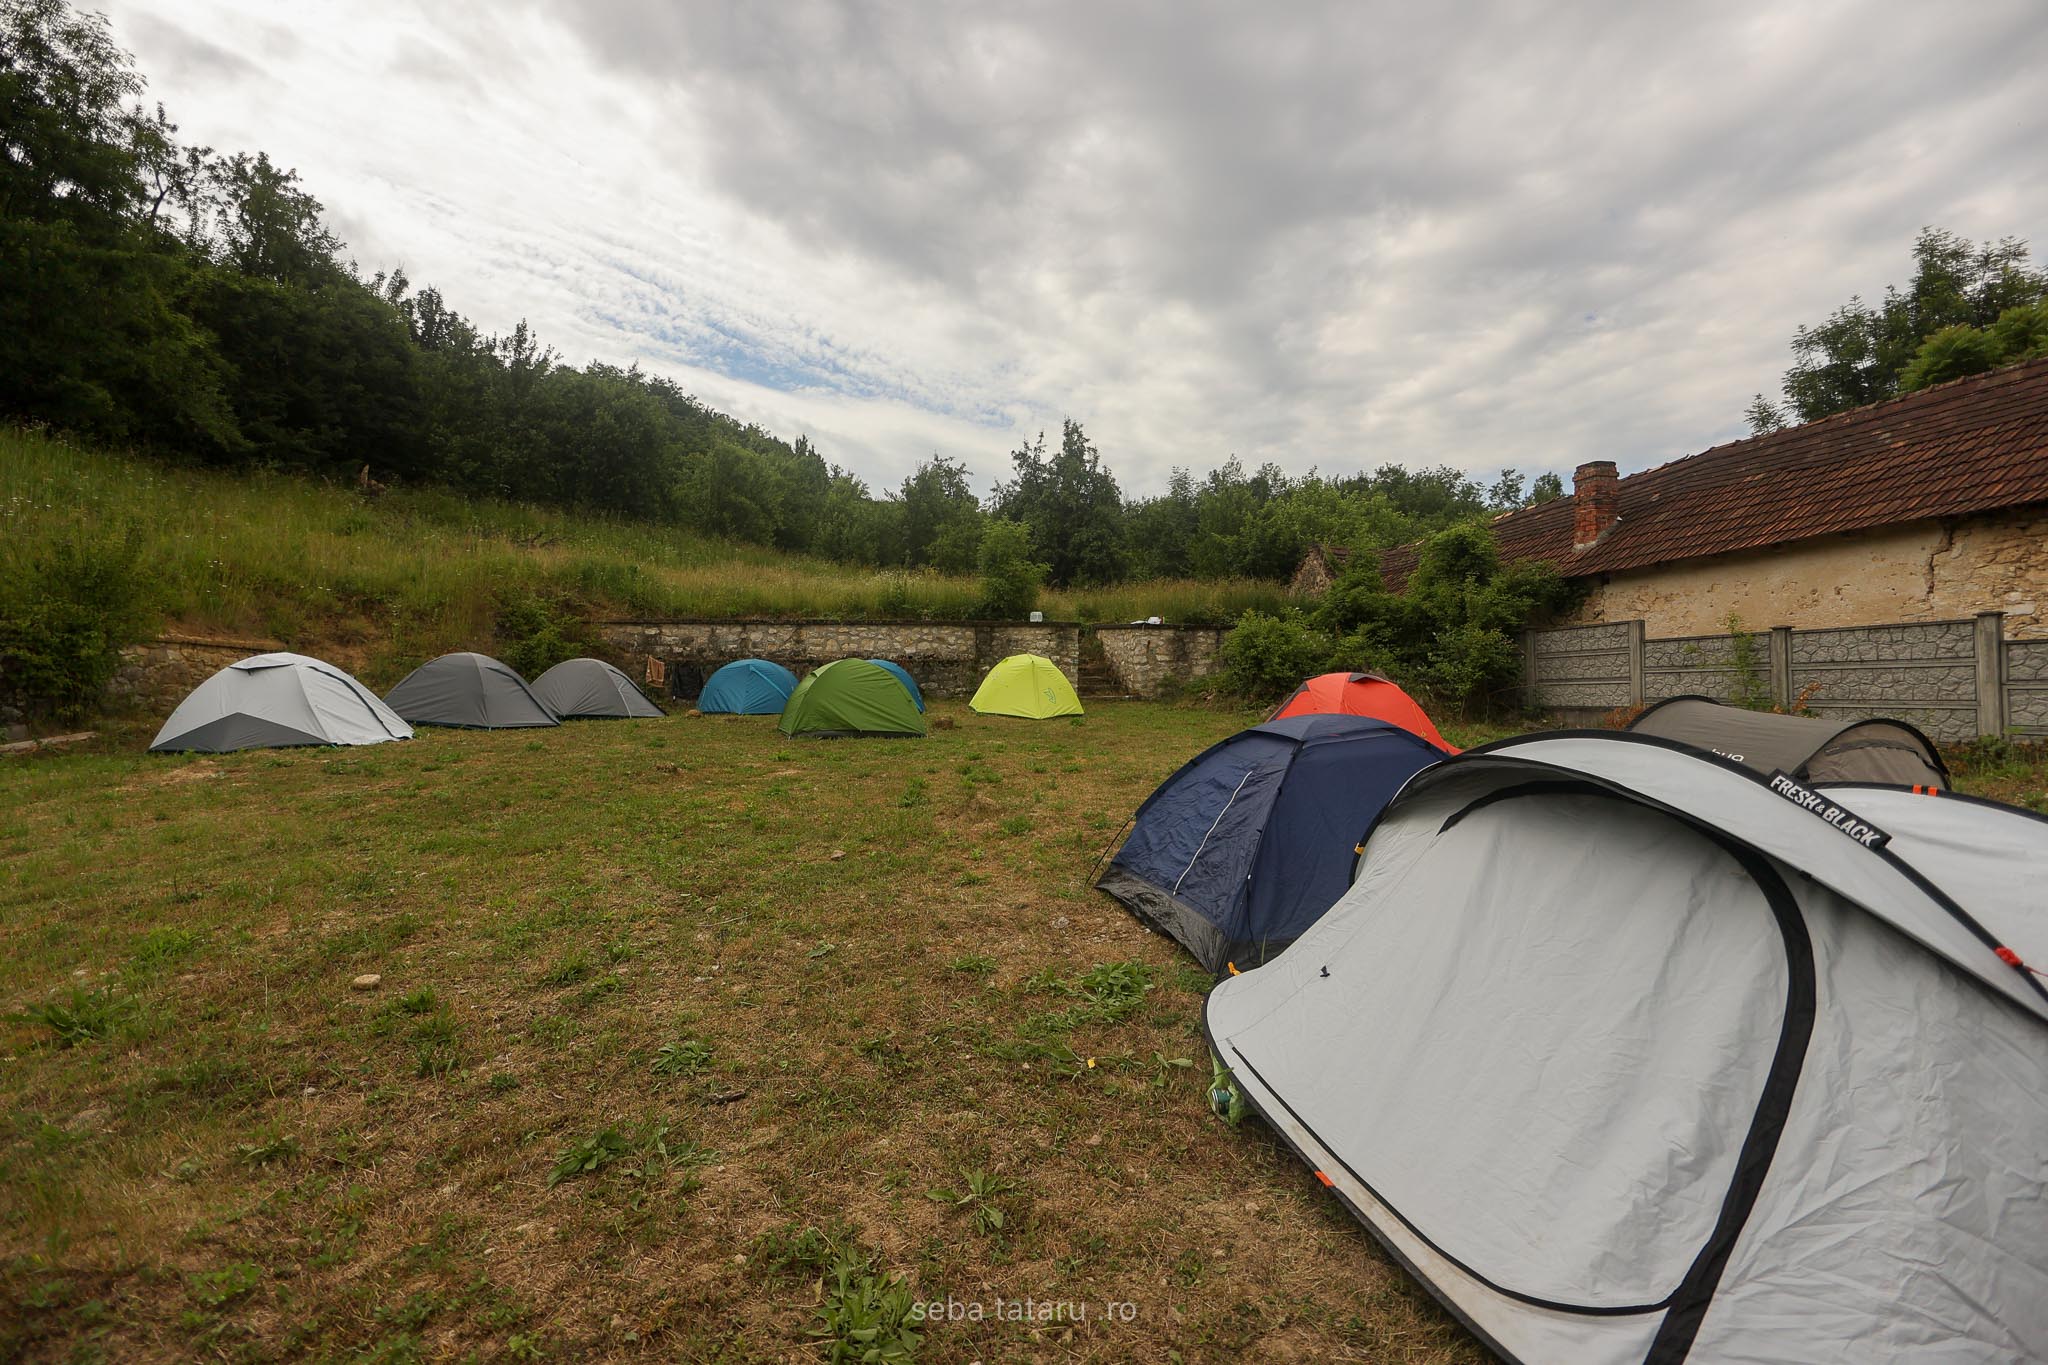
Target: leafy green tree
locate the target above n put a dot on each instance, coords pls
(1451, 630)
(1160, 530)
(1072, 504)
(941, 516)
(253, 217)
(1763, 416)
(93, 333)
(323, 378)
(1010, 577)
(1859, 354)
(70, 134)
(2021, 333)
(1547, 488)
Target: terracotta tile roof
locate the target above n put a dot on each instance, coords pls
(1974, 445)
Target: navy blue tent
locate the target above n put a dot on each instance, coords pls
(747, 687)
(1253, 839)
(903, 676)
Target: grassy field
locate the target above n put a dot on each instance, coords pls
(681, 1028)
(772, 995)
(424, 571)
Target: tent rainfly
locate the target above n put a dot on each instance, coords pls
(1807, 748)
(592, 688)
(1027, 685)
(747, 687)
(903, 676)
(850, 698)
(277, 701)
(1631, 1053)
(1361, 694)
(470, 691)
(1253, 839)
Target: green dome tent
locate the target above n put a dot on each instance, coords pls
(1028, 685)
(851, 697)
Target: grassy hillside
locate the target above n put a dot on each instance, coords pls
(414, 572)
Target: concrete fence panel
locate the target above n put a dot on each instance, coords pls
(2026, 687)
(1953, 679)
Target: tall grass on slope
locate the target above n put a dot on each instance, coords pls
(420, 570)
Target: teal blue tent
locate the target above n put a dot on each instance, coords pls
(747, 687)
(903, 676)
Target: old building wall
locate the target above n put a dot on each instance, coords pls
(1922, 571)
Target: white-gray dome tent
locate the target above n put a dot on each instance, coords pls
(592, 688)
(273, 701)
(470, 691)
(1633, 1054)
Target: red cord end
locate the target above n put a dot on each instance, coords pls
(2009, 957)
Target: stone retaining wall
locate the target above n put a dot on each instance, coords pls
(948, 658)
(1146, 658)
(158, 674)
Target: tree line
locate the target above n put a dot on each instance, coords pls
(194, 304)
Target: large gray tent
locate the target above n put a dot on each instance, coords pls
(275, 701)
(592, 688)
(1807, 747)
(1633, 1054)
(471, 691)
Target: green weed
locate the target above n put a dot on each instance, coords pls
(685, 1057)
(978, 1195)
(865, 1316)
(82, 1016)
(587, 1156)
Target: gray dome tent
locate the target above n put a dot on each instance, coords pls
(1630, 1053)
(274, 701)
(471, 691)
(1809, 749)
(577, 688)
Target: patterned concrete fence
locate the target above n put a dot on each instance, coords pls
(1953, 679)
(2026, 686)
(1583, 671)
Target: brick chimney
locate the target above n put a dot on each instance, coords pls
(1596, 498)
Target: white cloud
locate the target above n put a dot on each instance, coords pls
(1335, 237)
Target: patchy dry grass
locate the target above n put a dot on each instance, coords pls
(2007, 770)
(689, 1040)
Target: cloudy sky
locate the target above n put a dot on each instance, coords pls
(1328, 235)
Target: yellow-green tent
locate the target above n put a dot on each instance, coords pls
(1028, 685)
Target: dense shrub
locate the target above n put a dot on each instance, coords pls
(1266, 655)
(535, 633)
(1010, 578)
(1450, 634)
(65, 614)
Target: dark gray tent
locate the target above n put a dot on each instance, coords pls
(472, 691)
(1809, 749)
(276, 701)
(1630, 1053)
(579, 688)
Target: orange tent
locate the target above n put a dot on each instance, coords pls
(1361, 694)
